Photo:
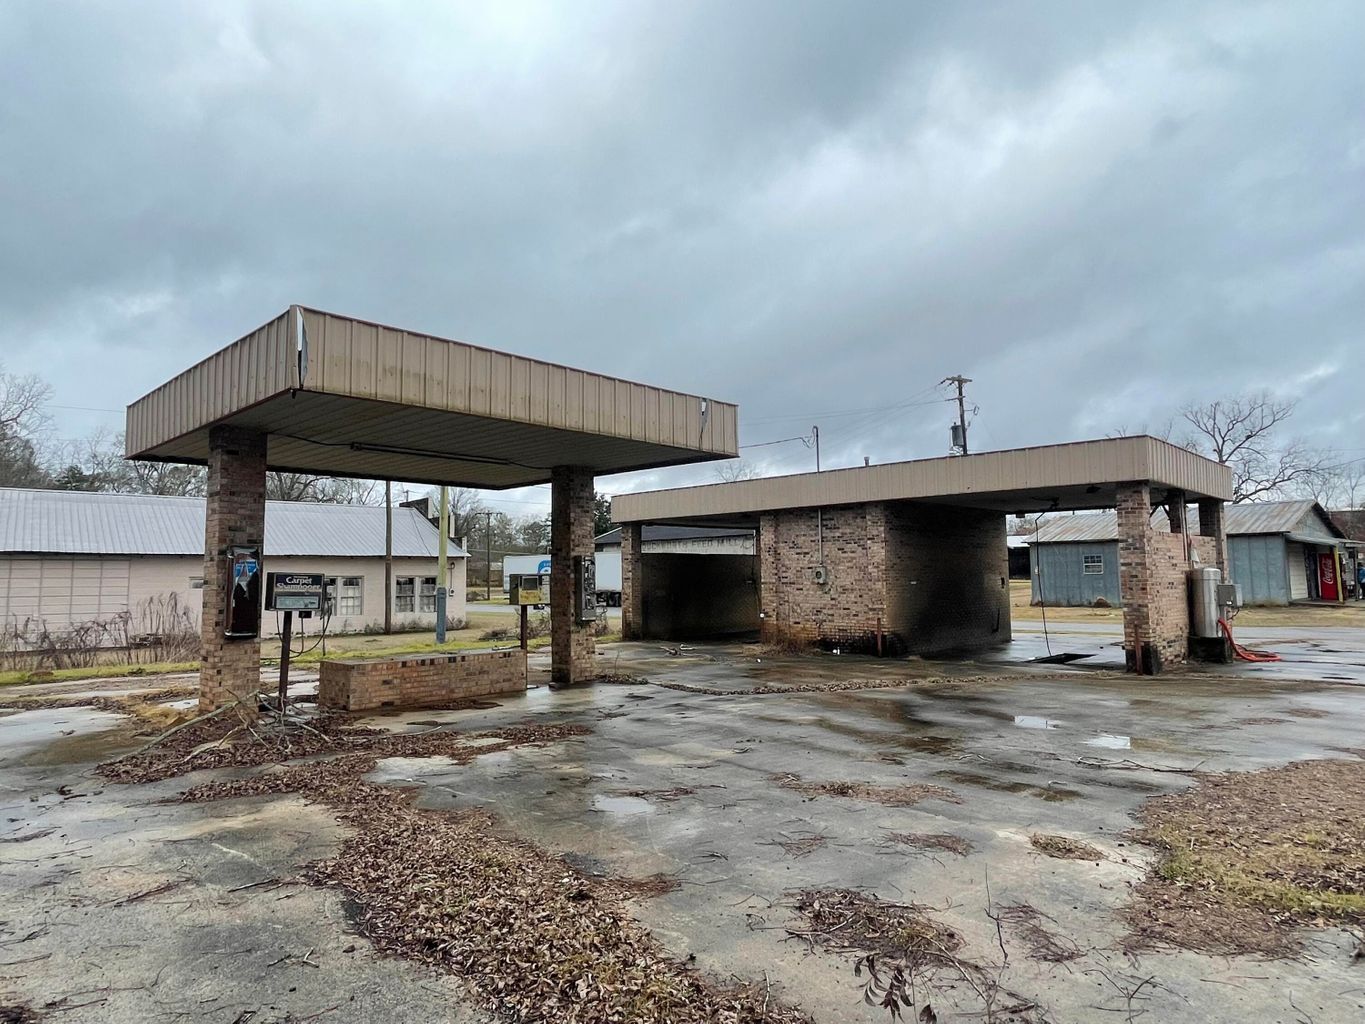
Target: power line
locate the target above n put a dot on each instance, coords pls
(807, 441)
(911, 402)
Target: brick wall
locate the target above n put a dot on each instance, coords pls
(573, 653)
(230, 669)
(947, 577)
(419, 681)
(922, 577)
(843, 610)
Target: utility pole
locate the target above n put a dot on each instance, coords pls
(488, 554)
(441, 563)
(960, 441)
(388, 556)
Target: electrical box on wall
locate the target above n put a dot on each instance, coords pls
(820, 575)
(243, 619)
(585, 588)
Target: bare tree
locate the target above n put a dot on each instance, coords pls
(1240, 432)
(23, 420)
(22, 401)
(325, 489)
(96, 463)
(1164, 430)
(466, 509)
(1341, 486)
(736, 470)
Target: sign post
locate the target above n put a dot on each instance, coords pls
(525, 590)
(290, 592)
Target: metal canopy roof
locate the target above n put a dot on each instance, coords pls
(1082, 475)
(34, 521)
(1258, 517)
(347, 397)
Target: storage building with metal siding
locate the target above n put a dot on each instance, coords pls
(72, 557)
(1271, 548)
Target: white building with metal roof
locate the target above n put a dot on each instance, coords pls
(1279, 551)
(70, 557)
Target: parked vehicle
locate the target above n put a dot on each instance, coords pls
(608, 573)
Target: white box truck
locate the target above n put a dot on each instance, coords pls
(608, 573)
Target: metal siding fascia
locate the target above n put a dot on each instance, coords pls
(248, 371)
(1107, 462)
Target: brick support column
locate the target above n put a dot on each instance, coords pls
(573, 651)
(769, 585)
(632, 581)
(1212, 524)
(1175, 510)
(230, 669)
(1134, 505)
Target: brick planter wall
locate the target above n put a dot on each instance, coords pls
(419, 681)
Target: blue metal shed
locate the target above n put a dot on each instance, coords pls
(1272, 551)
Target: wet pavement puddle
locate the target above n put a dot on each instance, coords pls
(622, 806)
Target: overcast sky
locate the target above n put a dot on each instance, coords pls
(1097, 211)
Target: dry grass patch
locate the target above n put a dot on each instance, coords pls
(906, 795)
(1064, 847)
(647, 888)
(123, 703)
(1247, 857)
(930, 841)
(667, 796)
(1043, 944)
(799, 845)
(910, 959)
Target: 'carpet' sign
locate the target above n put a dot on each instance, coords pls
(294, 591)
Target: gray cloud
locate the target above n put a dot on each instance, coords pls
(1095, 211)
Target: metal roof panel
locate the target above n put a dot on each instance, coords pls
(37, 521)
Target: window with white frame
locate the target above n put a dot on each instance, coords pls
(428, 596)
(1093, 565)
(404, 594)
(347, 594)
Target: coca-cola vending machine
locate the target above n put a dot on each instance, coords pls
(1329, 585)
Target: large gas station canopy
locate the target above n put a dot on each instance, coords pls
(346, 397)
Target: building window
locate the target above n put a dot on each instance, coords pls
(196, 583)
(404, 593)
(348, 598)
(428, 594)
(1094, 565)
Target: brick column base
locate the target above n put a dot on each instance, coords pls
(1134, 506)
(769, 586)
(573, 652)
(230, 669)
(632, 582)
(1153, 585)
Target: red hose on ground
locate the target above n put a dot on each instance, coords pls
(1245, 653)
